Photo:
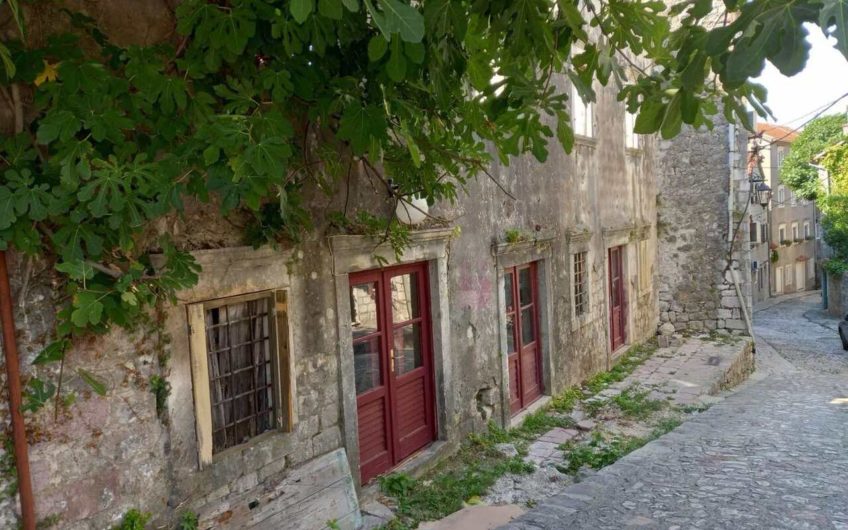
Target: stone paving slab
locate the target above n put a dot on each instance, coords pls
(558, 436)
(479, 517)
(684, 375)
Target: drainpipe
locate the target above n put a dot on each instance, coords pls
(13, 381)
(731, 161)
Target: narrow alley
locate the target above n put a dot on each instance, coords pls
(771, 455)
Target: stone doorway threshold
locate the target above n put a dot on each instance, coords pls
(480, 517)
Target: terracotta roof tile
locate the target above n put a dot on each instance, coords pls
(775, 132)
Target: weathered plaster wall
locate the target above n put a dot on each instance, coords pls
(597, 196)
(696, 207)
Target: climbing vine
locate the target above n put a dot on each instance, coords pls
(256, 102)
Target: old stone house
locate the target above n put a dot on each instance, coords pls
(298, 375)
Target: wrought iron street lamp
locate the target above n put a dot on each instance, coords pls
(762, 193)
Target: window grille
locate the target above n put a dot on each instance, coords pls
(241, 373)
(581, 300)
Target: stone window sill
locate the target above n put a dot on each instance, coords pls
(587, 141)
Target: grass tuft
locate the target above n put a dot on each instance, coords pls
(634, 403)
(628, 362)
(599, 451)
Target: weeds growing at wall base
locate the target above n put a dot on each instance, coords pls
(478, 464)
(602, 449)
(468, 474)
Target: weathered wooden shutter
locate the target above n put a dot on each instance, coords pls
(200, 382)
(286, 384)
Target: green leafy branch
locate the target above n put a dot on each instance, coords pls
(258, 103)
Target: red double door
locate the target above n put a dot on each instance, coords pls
(393, 365)
(618, 315)
(524, 355)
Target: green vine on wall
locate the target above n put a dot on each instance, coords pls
(257, 102)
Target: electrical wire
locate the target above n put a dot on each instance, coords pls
(816, 115)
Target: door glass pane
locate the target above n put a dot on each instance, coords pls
(510, 333)
(407, 344)
(525, 287)
(528, 330)
(363, 309)
(366, 364)
(508, 292)
(405, 304)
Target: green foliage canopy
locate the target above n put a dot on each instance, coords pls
(258, 100)
(797, 171)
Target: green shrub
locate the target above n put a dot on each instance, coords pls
(188, 521)
(133, 520)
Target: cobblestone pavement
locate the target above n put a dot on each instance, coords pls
(772, 455)
(804, 334)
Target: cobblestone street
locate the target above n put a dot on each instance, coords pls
(774, 454)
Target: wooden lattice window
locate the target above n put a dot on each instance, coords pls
(241, 369)
(581, 295)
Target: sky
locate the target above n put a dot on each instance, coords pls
(794, 100)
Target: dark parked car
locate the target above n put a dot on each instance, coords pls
(843, 332)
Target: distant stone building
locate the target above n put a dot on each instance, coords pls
(792, 220)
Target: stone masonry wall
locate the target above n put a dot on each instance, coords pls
(696, 291)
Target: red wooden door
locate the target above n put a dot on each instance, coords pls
(522, 331)
(393, 366)
(616, 296)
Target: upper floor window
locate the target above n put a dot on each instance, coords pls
(781, 155)
(807, 233)
(795, 236)
(763, 233)
(781, 196)
(752, 231)
(237, 345)
(793, 199)
(781, 233)
(631, 139)
(582, 114)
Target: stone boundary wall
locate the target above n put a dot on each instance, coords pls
(740, 368)
(837, 295)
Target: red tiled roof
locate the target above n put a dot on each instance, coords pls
(777, 132)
